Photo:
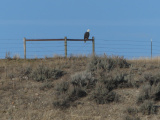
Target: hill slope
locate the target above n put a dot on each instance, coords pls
(79, 88)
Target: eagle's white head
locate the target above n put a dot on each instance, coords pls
(88, 30)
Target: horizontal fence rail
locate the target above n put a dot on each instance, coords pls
(79, 39)
(57, 40)
(65, 43)
(44, 39)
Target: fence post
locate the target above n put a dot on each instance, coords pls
(65, 45)
(93, 46)
(24, 42)
(151, 48)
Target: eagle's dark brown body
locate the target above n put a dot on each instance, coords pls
(86, 36)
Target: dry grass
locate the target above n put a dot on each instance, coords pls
(22, 98)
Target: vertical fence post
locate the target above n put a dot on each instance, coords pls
(24, 42)
(65, 45)
(151, 48)
(93, 46)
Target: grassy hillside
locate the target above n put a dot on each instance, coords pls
(80, 88)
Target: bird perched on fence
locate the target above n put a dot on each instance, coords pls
(86, 35)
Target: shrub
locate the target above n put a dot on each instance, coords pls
(155, 92)
(65, 99)
(55, 73)
(11, 75)
(16, 56)
(152, 78)
(149, 92)
(77, 92)
(132, 111)
(134, 81)
(106, 63)
(145, 93)
(8, 55)
(46, 86)
(114, 80)
(72, 91)
(83, 79)
(42, 73)
(25, 72)
(148, 108)
(62, 87)
(62, 101)
(102, 95)
(128, 117)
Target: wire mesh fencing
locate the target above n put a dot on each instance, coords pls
(126, 48)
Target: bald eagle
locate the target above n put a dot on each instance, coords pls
(86, 35)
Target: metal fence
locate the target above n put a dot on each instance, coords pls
(65, 43)
(34, 49)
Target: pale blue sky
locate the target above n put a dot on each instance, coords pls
(129, 24)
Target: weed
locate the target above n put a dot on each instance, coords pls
(25, 72)
(66, 99)
(42, 73)
(16, 56)
(149, 92)
(77, 92)
(46, 85)
(148, 108)
(106, 63)
(134, 81)
(114, 80)
(62, 87)
(145, 93)
(155, 92)
(11, 75)
(128, 117)
(102, 95)
(62, 102)
(55, 73)
(8, 55)
(132, 111)
(152, 78)
(83, 79)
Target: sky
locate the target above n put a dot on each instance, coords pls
(120, 27)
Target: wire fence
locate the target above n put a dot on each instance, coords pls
(126, 48)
